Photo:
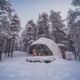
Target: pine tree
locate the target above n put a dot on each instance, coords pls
(57, 33)
(74, 31)
(77, 29)
(29, 34)
(43, 26)
(5, 15)
(70, 46)
(15, 29)
(76, 2)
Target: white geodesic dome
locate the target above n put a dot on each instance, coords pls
(50, 44)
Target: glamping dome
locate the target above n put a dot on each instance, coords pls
(44, 47)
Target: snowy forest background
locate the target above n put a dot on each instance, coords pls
(50, 26)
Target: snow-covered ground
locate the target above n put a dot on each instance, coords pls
(69, 55)
(17, 68)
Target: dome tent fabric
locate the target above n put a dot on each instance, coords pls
(50, 44)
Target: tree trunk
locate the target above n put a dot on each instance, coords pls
(78, 55)
(6, 48)
(12, 48)
(75, 55)
(0, 53)
(9, 42)
(1, 49)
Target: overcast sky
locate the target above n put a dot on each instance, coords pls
(30, 9)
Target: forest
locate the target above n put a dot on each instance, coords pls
(50, 26)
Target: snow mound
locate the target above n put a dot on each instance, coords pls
(40, 59)
(70, 55)
(77, 19)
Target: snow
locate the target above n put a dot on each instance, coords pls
(17, 68)
(60, 44)
(50, 44)
(69, 55)
(30, 41)
(77, 19)
(41, 58)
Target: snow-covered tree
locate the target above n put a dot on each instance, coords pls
(43, 26)
(15, 24)
(76, 2)
(56, 22)
(70, 45)
(74, 30)
(9, 26)
(74, 27)
(29, 34)
(5, 16)
(15, 28)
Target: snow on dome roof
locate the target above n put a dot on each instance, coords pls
(50, 44)
(77, 19)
